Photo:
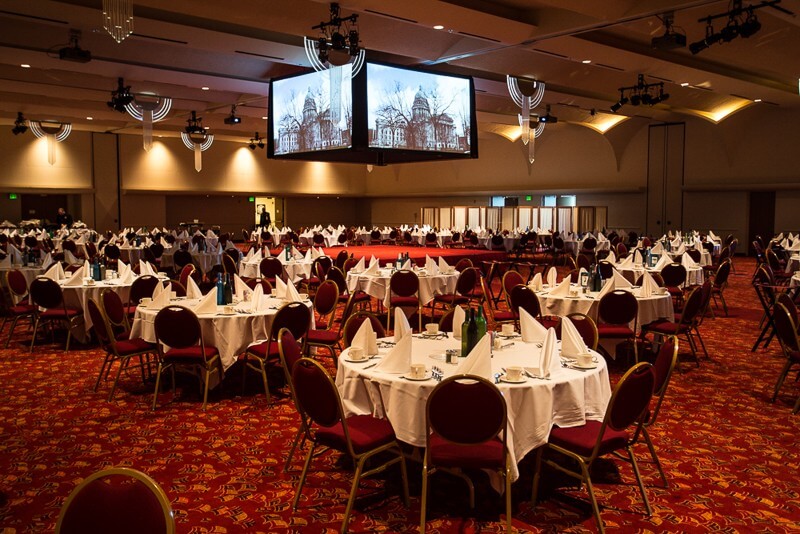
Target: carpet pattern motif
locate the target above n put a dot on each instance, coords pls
(731, 456)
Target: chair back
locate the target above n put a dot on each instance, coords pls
(229, 265)
(341, 258)
(342, 239)
(142, 287)
(693, 306)
(321, 266)
(17, 282)
(618, 307)
(404, 283)
(317, 396)
(446, 322)
(294, 316)
(463, 263)
(789, 304)
(723, 271)
(355, 321)
(630, 398)
(177, 327)
(584, 262)
(467, 279)
(785, 328)
(326, 299)
(318, 240)
(349, 264)
(453, 403)
(186, 272)
(181, 258)
(523, 297)
(374, 235)
(666, 360)
(99, 324)
(111, 252)
(336, 276)
(119, 500)
(113, 308)
(511, 279)
(46, 293)
(271, 267)
(695, 255)
(622, 250)
(674, 275)
(265, 285)
(290, 352)
(586, 327)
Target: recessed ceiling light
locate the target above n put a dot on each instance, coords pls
(204, 88)
(438, 27)
(206, 127)
(586, 61)
(264, 117)
(685, 84)
(25, 66)
(89, 118)
(757, 100)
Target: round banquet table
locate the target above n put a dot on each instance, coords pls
(377, 285)
(694, 275)
(206, 261)
(793, 263)
(650, 308)
(705, 257)
(230, 334)
(131, 254)
(296, 270)
(30, 273)
(569, 398)
(78, 297)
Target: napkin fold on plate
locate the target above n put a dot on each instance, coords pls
(637, 257)
(620, 282)
(658, 248)
(459, 316)
(257, 300)
(291, 293)
(649, 286)
(608, 286)
(76, 279)
(398, 359)
(372, 270)
(208, 304)
(536, 284)
(241, 290)
(296, 253)
(562, 289)
(70, 258)
(47, 261)
(365, 338)
(129, 277)
(681, 249)
(360, 266)
(549, 361)
(407, 265)
(192, 289)
(157, 290)
(122, 269)
(626, 262)
(662, 262)
(532, 330)
(552, 277)
(688, 262)
(572, 343)
(611, 258)
(162, 299)
(280, 288)
(401, 326)
(431, 266)
(479, 361)
(444, 267)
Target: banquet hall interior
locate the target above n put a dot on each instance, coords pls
(638, 136)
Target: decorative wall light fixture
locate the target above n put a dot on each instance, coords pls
(54, 131)
(148, 108)
(118, 18)
(527, 95)
(197, 139)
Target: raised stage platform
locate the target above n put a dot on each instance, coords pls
(388, 253)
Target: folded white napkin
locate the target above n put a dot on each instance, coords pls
(459, 316)
(532, 330)
(649, 286)
(397, 360)
(316, 253)
(360, 266)
(70, 258)
(87, 270)
(681, 249)
(365, 338)
(249, 254)
(257, 256)
(291, 293)
(193, 250)
(443, 265)
(608, 286)
(627, 262)
(47, 261)
(165, 244)
(549, 361)
(161, 300)
(128, 277)
(192, 289)
(208, 304)
(5, 263)
(552, 276)
(688, 262)
(241, 290)
(658, 248)
(296, 253)
(407, 265)
(401, 326)
(620, 282)
(157, 290)
(280, 288)
(795, 245)
(676, 242)
(611, 258)
(562, 290)
(144, 268)
(479, 361)
(536, 283)
(373, 261)
(76, 279)
(308, 256)
(257, 301)
(662, 262)
(572, 344)
(372, 269)
(431, 266)
(712, 235)
(637, 257)
(601, 237)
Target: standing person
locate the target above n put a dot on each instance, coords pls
(265, 219)
(63, 218)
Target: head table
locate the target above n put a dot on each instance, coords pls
(568, 398)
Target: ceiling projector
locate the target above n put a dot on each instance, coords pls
(73, 53)
(669, 41)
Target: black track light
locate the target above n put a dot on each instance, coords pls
(20, 125)
(742, 22)
(121, 97)
(232, 118)
(256, 141)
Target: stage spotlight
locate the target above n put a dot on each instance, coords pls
(750, 26)
(20, 126)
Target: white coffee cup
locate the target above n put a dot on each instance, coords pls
(418, 370)
(573, 292)
(145, 301)
(585, 360)
(228, 310)
(432, 328)
(507, 329)
(357, 353)
(89, 281)
(274, 293)
(514, 373)
(303, 296)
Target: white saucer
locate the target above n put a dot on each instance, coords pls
(508, 381)
(429, 335)
(365, 360)
(427, 376)
(226, 314)
(576, 365)
(512, 336)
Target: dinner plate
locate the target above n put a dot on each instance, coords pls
(364, 360)
(429, 335)
(427, 376)
(576, 365)
(512, 336)
(226, 314)
(509, 381)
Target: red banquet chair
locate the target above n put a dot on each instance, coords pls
(324, 335)
(685, 324)
(179, 329)
(23, 309)
(786, 330)
(290, 351)
(457, 439)
(142, 287)
(586, 443)
(355, 321)
(51, 309)
(294, 316)
(465, 287)
(616, 311)
(586, 327)
(360, 437)
(119, 500)
(404, 290)
(674, 276)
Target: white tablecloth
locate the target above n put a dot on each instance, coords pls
(231, 334)
(650, 308)
(568, 399)
(295, 270)
(705, 257)
(694, 275)
(131, 254)
(376, 286)
(78, 297)
(509, 242)
(204, 260)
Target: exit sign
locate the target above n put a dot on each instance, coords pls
(12, 196)
(251, 199)
(528, 198)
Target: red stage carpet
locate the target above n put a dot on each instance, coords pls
(388, 253)
(730, 454)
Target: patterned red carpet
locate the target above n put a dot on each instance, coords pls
(731, 456)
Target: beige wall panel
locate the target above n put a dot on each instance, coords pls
(143, 210)
(787, 211)
(724, 212)
(23, 162)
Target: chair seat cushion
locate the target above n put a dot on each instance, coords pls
(57, 313)
(675, 291)
(581, 439)
(134, 346)
(665, 327)
(614, 330)
(458, 299)
(488, 455)
(404, 301)
(130, 309)
(265, 350)
(322, 336)
(193, 352)
(366, 433)
(21, 309)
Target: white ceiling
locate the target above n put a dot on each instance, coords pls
(234, 48)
